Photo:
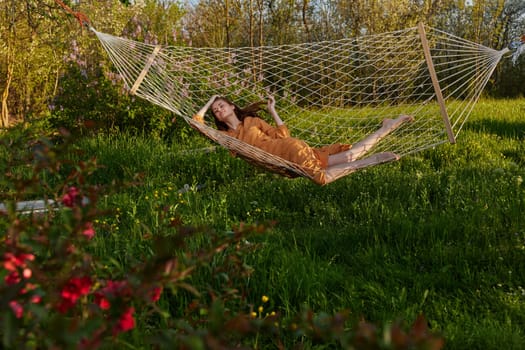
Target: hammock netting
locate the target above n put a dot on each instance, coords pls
(326, 92)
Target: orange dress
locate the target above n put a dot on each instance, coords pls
(277, 141)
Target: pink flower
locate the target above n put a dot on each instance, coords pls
(111, 290)
(126, 322)
(27, 273)
(102, 301)
(12, 278)
(72, 291)
(17, 308)
(155, 293)
(89, 232)
(114, 288)
(27, 288)
(12, 261)
(70, 197)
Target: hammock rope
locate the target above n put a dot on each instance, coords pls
(327, 92)
(81, 17)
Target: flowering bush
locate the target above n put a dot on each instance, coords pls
(56, 293)
(51, 282)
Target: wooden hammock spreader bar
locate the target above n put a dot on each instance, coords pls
(435, 83)
(139, 80)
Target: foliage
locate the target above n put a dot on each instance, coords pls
(105, 105)
(157, 23)
(55, 279)
(29, 59)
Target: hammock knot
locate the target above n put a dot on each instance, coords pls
(81, 18)
(518, 47)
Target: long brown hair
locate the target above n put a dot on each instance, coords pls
(241, 113)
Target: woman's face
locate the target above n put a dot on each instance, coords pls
(222, 110)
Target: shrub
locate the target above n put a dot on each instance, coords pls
(91, 98)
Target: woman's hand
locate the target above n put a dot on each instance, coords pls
(200, 114)
(273, 112)
(271, 103)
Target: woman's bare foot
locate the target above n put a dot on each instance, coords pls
(374, 159)
(337, 171)
(391, 124)
(385, 157)
(362, 147)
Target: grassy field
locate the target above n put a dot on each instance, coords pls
(440, 233)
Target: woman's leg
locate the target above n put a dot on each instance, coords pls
(337, 171)
(365, 145)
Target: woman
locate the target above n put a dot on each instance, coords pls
(325, 164)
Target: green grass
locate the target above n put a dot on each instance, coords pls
(441, 232)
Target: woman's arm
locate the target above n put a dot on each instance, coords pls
(273, 112)
(200, 114)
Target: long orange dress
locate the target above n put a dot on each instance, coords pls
(277, 141)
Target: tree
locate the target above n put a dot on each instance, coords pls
(40, 43)
(509, 76)
(30, 57)
(88, 71)
(8, 35)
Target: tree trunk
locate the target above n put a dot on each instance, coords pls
(4, 119)
(305, 20)
(227, 18)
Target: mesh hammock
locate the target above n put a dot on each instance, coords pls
(326, 92)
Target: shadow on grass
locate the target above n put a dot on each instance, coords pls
(502, 128)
